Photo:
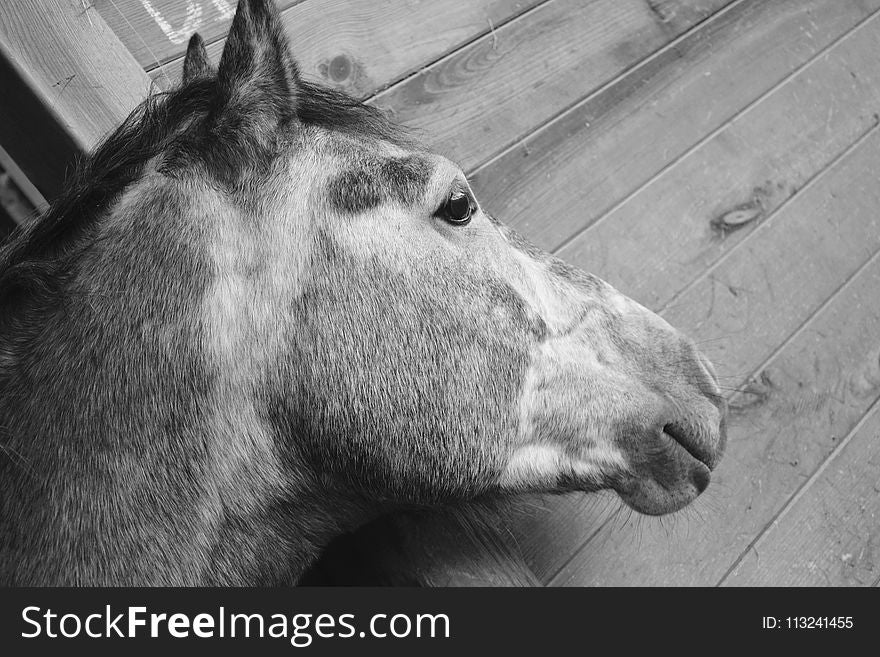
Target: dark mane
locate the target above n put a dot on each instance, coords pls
(165, 120)
(336, 110)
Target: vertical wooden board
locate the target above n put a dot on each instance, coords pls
(828, 536)
(474, 103)
(67, 80)
(561, 179)
(361, 47)
(711, 200)
(14, 207)
(760, 296)
(75, 63)
(30, 195)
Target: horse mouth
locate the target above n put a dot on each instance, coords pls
(668, 483)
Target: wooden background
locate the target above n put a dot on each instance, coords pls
(716, 160)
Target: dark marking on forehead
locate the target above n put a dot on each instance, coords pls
(376, 181)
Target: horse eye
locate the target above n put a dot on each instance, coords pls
(457, 209)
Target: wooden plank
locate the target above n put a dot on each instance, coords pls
(773, 138)
(741, 314)
(67, 81)
(362, 47)
(828, 536)
(492, 92)
(572, 171)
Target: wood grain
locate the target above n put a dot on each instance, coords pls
(67, 82)
(494, 91)
(361, 47)
(562, 178)
(813, 246)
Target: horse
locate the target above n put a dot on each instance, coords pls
(261, 315)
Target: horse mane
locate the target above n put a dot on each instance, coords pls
(171, 120)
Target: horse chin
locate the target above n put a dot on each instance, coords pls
(664, 492)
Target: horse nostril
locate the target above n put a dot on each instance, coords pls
(692, 444)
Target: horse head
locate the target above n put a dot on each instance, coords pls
(261, 314)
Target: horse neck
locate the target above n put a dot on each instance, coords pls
(135, 465)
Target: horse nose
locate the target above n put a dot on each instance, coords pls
(692, 415)
(696, 415)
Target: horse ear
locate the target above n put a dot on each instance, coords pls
(196, 63)
(257, 75)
